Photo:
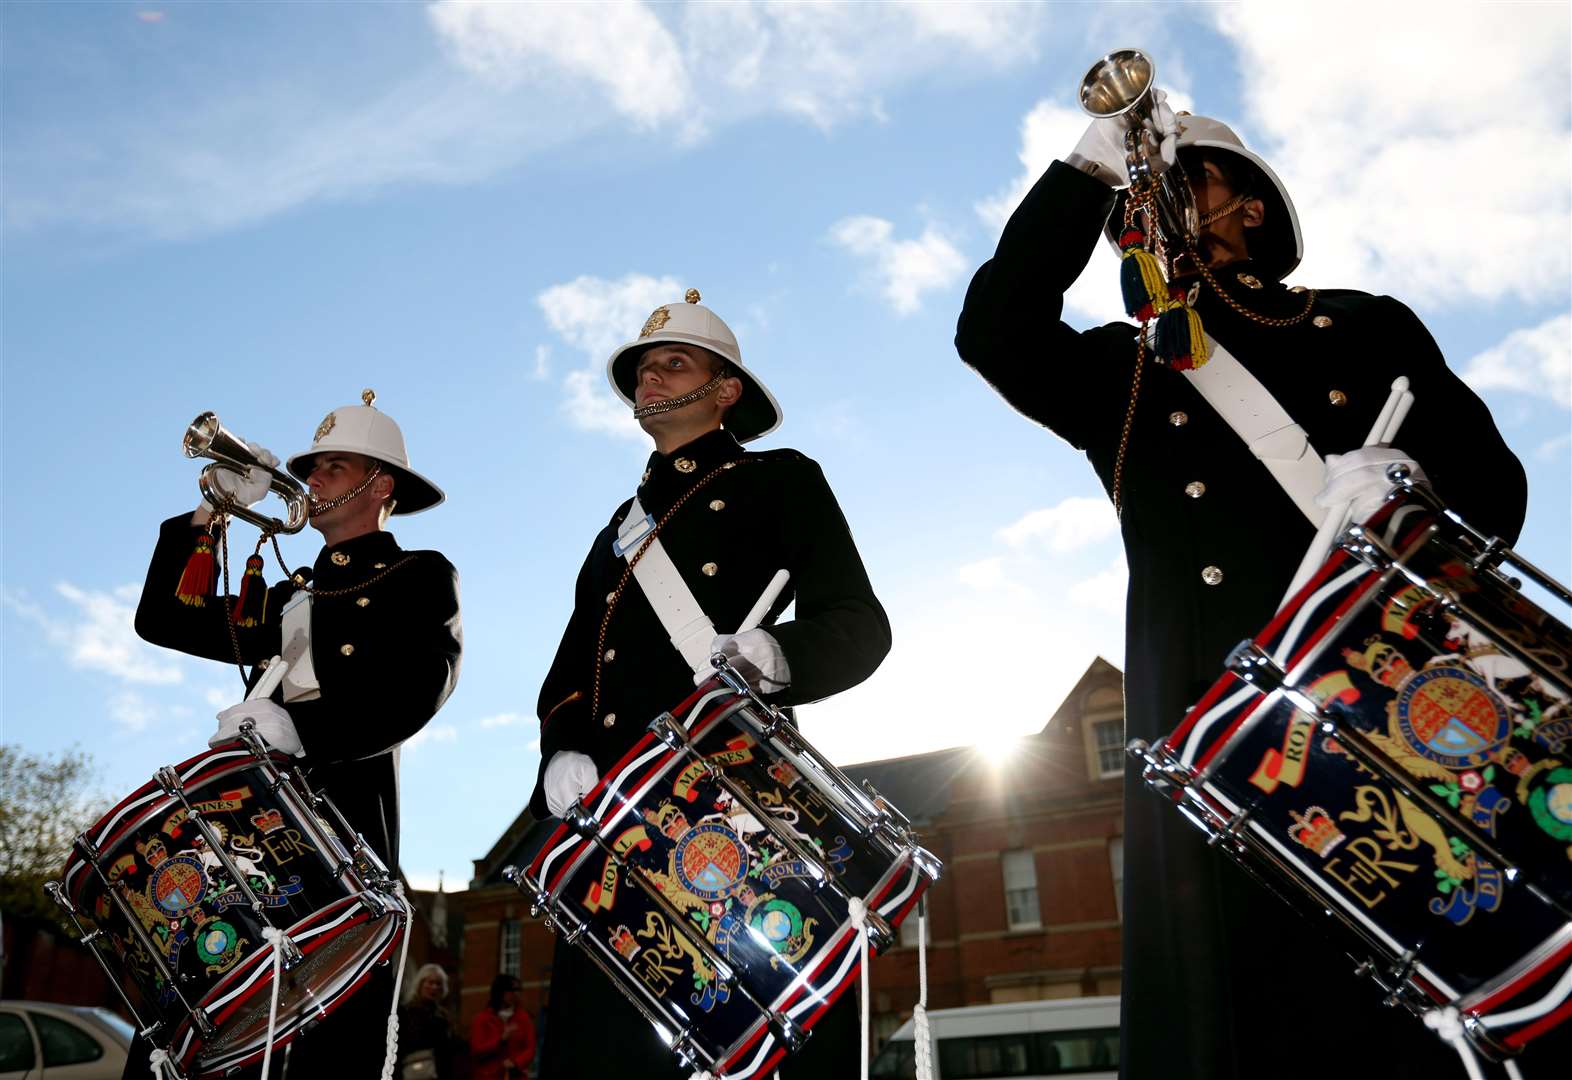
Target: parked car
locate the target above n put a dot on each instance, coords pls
(1022, 1040)
(43, 1041)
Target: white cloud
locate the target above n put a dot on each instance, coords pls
(1076, 522)
(1103, 591)
(1436, 171)
(431, 733)
(506, 81)
(982, 574)
(132, 711)
(620, 48)
(542, 370)
(507, 719)
(1536, 360)
(902, 270)
(595, 315)
(99, 634)
(1554, 449)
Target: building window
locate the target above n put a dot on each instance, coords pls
(1116, 864)
(1020, 891)
(1109, 736)
(508, 962)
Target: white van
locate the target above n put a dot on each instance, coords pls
(1021, 1040)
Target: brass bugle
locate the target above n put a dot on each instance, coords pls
(1119, 87)
(207, 438)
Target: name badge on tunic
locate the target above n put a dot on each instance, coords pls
(633, 530)
(300, 681)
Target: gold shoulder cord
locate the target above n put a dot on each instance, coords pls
(627, 573)
(1140, 360)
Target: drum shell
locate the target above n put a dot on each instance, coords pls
(1459, 681)
(731, 876)
(150, 853)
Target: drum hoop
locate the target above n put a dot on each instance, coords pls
(614, 784)
(146, 811)
(629, 781)
(259, 980)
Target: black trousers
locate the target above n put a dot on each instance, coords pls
(592, 1031)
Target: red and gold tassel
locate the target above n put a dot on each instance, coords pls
(1180, 339)
(250, 609)
(196, 581)
(1140, 277)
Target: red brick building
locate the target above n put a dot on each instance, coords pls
(1028, 905)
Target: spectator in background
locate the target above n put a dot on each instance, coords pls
(425, 1028)
(502, 1038)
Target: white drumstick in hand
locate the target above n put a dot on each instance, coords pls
(277, 668)
(761, 606)
(1382, 432)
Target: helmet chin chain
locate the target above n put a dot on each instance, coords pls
(665, 405)
(333, 504)
(1217, 213)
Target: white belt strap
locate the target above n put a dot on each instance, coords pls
(690, 630)
(1267, 430)
(300, 681)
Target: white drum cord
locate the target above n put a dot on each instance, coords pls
(274, 937)
(859, 919)
(922, 1039)
(1445, 1023)
(390, 1058)
(162, 1067)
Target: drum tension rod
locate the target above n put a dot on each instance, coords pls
(586, 825)
(144, 939)
(1251, 664)
(682, 1043)
(865, 815)
(95, 942)
(672, 734)
(170, 781)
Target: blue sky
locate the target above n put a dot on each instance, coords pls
(260, 209)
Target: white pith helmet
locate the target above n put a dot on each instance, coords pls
(1276, 245)
(364, 429)
(756, 412)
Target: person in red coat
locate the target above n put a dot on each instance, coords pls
(502, 1038)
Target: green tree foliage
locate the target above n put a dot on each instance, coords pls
(44, 803)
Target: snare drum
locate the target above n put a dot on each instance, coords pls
(1396, 747)
(719, 875)
(175, 886)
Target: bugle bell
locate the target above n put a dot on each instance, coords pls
(206, 438)
(1120, 87)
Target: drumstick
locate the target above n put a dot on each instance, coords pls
(1382, 432)
(761, 606)
(277, 668)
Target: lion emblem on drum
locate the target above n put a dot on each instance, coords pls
(710, 861)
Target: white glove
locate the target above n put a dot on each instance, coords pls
(274, 726)
(569, 775)
(756, 656)
(1100, 152)
(1359, 479)
(249, 489)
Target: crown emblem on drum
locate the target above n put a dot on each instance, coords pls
(268, 821)
(671, 821)
(152, 850)
(783, 772)
(1315, 830)
(622, 941)
(1383, 663)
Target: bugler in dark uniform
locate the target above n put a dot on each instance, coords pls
(1220, 978)
(377, 660)
(728, 519)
